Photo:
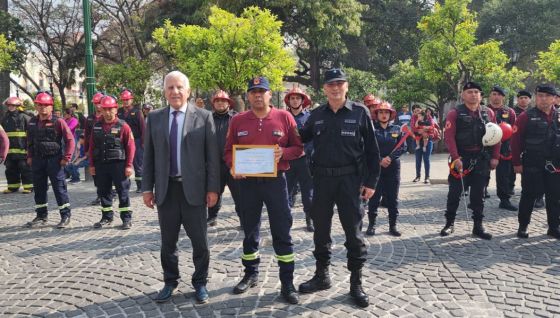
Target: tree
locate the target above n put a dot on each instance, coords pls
(133, 74)
(549, 63)
(230, 51)
(361, 83)
(407, 85)
(12, 30)
(56, 38)
(7, 49)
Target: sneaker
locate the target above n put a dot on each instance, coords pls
(427, 181)
(64, 221)
(104, 222)
(416, 179)
(36, 222)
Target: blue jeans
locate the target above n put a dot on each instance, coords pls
(74, 170)
(421, 154)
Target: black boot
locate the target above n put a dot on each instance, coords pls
(506, 204)
(138, 186)
(320, 281)
(248, 281)
(289, 293)
(522, 231)
(448, 228)
(309, 225)
(371, 226)
(478, 230)
(393, 228)
(356, 291)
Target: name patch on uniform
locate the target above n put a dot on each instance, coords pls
(48, 124)
(319, 122)
(350, 121)
(277, 133)
(505, 115)
(114, 131)
(394, 135)
(348, 133)
(242, 133)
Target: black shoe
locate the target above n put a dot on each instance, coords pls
(554, 233)
(201, 295)
(64, 221)
(478, 231)
(356, 291)
(370, 229)
(126, 225)
(522, 231)
(309, 225)
(394, 231)
(506, 204)
(416, 179)
(165, 294)
(289, 293)
(427, 181)
(37, 221)
(320, 281)
(539, 203)
(248, 281)
(97, 201)
(447, 229)
(104, 222)
(212, 221)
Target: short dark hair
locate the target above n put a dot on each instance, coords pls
(69, 111)
(415, 106)
(74, 105)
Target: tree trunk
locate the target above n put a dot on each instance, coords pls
(314, 69)
(4, 76)
(239, 103)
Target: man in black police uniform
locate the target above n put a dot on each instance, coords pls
(471, 160)
(345, 169)
(536, 156)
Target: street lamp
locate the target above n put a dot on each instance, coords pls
(50, 80)
(514, 60)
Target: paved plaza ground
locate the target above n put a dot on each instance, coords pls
(84, 272)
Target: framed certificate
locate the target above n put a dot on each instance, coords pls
(254, 160)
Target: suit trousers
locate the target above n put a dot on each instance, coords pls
(174, 212)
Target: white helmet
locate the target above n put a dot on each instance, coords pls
(493, 135)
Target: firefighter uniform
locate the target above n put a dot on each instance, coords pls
(276, 128)
(345, 159)
(536, 147)
(50, 147)
(135, 119)
(464, 129)
(18, 172)
(388, 138)
(111, 151)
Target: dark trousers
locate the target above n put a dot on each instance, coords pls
(424, 155)
(299, 174)
(388, 187)
(344, 191)
(504, 179)
(43, 170)
(18, 172)
(535, 182)
(225, 179)
(107, 175)
(476, 180)
(174, 212)
(138, 160)
(253, 192)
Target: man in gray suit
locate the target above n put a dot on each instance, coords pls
(182, 162)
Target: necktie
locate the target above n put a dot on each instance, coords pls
(173, 164)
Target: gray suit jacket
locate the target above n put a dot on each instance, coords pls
(200, 159)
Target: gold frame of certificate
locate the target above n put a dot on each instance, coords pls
(254, 161)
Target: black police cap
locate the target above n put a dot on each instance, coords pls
(498, 90)
(524, 93)
(472, 85)
(547, 88)
(335, 74)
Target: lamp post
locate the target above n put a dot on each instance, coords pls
(514, 60)
(50, 80)
(90, 72)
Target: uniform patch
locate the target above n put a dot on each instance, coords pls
(242, 133)
(48, 124)
(319, 122)
(394, 135)
(349, 121)
(277, 133)
(514, 130)
(114, 131)
(505, 115)
(348, 133)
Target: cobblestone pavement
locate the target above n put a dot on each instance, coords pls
(80, 271)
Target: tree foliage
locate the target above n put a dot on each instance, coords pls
(13, 32)
(133, 74)
(230, 51)
(549, 63)
(7, 49)
(361, 83)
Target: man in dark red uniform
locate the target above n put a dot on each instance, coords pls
(504, 170)
(265, 125)
(464, 129)
(110, 156)
(135, 119)
(50, 148)
(536, 156)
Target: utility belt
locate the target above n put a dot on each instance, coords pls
(335, 172)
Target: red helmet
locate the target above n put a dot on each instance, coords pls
(385, 106)
(507, 131)
(44, 98)
(220, 94)
(126, 94)
(370, 100)
(109, 102)
(296, 90)
(13, 101)
(96, 99)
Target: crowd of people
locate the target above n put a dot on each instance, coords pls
(342, 153)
